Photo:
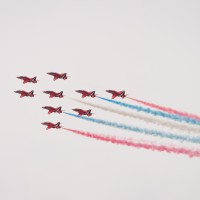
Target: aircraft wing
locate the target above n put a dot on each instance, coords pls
(25, 81)
(84, 95)
(55, 77)
(113, 96)
(50, 111)
(51, 95)
(22, 95)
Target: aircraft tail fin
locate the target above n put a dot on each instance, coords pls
(31, 93)
(93, 94)
(113, 96)
(61, 94)
(89, 113)
(58, 125)
(33, 80)
(59, 109)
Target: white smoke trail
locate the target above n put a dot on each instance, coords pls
(171, 125)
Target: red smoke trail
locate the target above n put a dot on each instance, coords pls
(169, 110)
(114, 140)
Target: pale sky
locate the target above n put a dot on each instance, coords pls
(148, 48)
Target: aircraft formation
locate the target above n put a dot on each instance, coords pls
(179, 120)
(53, 94)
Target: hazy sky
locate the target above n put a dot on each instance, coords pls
(149, 48)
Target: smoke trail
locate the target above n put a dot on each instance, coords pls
(160, 148)
(154, 112)
(169, 110)
(182, 127)
(139, 130)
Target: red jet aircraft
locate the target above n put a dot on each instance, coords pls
(58, 76)
(27, 79)
(52, 109)
(51, 125)
(86, 94)
(83, 112)
(54, 94)
(25, 94)
(117, 94)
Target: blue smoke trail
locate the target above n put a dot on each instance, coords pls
(139, 130)
(154, 112)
